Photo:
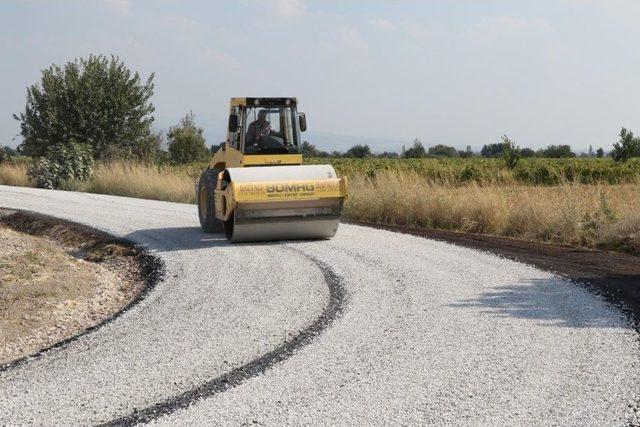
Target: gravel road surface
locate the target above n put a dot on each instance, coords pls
(369, 327)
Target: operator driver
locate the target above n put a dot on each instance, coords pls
(258, 128)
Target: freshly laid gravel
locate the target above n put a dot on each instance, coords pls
(428, 333)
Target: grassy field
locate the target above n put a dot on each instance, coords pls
(582, 202)
(597, 215)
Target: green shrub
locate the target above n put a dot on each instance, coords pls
(62, 167)
(471, 173)
(510, 152)
(626, 148)
(186, 142)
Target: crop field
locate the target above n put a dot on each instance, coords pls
(583, 202)
(533, 171)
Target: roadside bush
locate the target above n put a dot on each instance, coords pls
(4, 156)
(63, 166)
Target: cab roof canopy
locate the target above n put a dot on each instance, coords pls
(265, 101)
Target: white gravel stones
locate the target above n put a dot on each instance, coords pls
(431, 333)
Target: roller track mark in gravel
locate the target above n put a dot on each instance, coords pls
(337, 302)
(152, 269)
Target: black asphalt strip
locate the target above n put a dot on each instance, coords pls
(337, 301)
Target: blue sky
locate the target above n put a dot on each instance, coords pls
(453, 72)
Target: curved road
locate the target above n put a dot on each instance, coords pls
(370, 327)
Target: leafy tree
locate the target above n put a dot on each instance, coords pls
(388, 155)
(186, 143)
(441, 150)
(4, 155)
(96, 101)
(62, 166)
(10, 151)
(527, 152)
(492, 150)
(466, 153)
(215, 147)
(600, 153)
(151, 148)
(510, 152)
(358, 151)
(416, 151)
(558, 152)
(626, 148)
(309, 150)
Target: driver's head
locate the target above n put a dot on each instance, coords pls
(262, 116)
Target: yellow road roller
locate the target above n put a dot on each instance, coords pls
(256, 188)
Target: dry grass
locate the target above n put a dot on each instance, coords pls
(48, 293)
(138, 180)
(575, 214)
(14, 175)
(594, 215)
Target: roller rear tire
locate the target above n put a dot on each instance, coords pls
(206, 202)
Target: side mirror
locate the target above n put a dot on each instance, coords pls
(303, 121)
(233, 123)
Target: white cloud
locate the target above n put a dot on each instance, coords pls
(382, 24)
(510, 24)
(415, 30)
(184, 24)
(122, 7)
(351, 38)
(216, 57)
(289, 8)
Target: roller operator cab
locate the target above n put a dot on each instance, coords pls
(256, 187)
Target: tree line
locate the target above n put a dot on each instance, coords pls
(98, 108)
(494, 150)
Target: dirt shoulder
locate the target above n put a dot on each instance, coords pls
(59, 280)
(614, 275)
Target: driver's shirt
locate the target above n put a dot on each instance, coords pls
(257, 130)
